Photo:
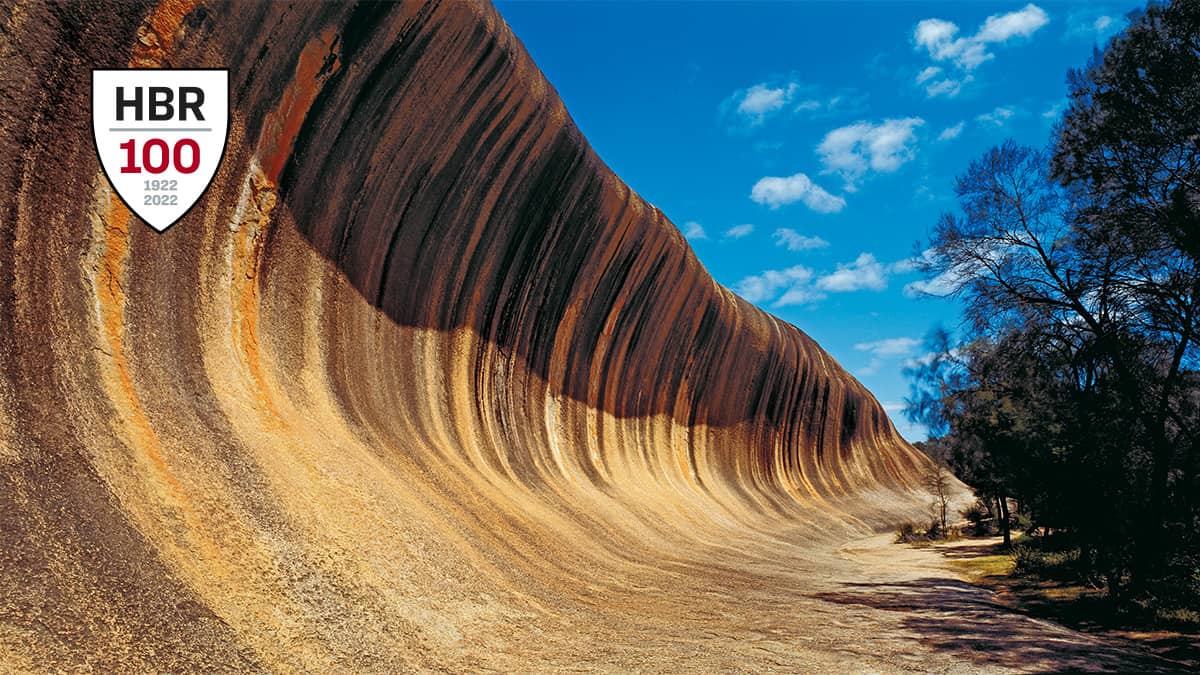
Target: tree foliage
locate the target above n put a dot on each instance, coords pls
(1076, 385)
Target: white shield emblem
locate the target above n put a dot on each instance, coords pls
(160, 135)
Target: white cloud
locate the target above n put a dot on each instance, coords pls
(1091, 24)
(937, 83)
(941, 40)
(739, 231)
(1054, 110)
(800, 285)
(1021, 23)
(937, 37)
(951, 133)
(931, 71)
(900, 346)
(923, 360)
(794, 241)
(761, 100)
(851, 151)
(948, 87)
(754, 105)
(798, 294)
(940, 286)
(865, 273)
(945, 283)
(694, 231)
(998, 117)
(908, 264)
(883, 351)
(767, 285)
(775, 191)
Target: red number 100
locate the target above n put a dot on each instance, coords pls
(157, 146)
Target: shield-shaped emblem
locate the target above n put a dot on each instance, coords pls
(160, 135)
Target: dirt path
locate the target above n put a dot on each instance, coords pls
(910, 609)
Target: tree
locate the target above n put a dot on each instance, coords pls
(1129, 149)
(1076, 387)
(1128, 140)
(1069, 331)
(984, 400)
(937, 481)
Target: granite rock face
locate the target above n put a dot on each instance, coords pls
(418, 383)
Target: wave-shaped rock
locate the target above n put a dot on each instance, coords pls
(418, 383)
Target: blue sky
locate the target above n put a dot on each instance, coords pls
(806, 149)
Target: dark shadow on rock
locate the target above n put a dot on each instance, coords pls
(438, 170)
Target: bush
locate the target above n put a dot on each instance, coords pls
(909, 533)
(979, 515)
(1019, 522)
(1061, 565)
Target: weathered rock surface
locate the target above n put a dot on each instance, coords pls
(418, 383)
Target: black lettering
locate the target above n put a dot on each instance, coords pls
(160, 103)
(190, 98)
(135, 103)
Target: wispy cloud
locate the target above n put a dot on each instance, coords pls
(948, 281)
(754, 105)
(1052, 113)
(776, 191)
(928, 74)
(1092, 23)
(941, 41)
(883, 351)
(948, 86)
(952, 132)
(739, 231)
(694, 231)
(799, 294)
(998, 117)
(794, 241)
(851, 151)
(939, 287)
(768, 284)
(899, 346)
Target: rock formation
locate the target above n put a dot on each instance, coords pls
(418, 383)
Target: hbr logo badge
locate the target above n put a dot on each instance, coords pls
(160, 136)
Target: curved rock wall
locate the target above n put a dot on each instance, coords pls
(418, 383)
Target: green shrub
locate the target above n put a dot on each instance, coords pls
(1033, 560)
(1019, 522)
